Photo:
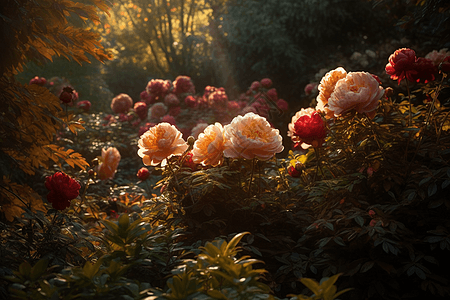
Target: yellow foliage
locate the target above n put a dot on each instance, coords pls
(14, 196)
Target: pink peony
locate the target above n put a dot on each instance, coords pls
(182, 85)
(437, 57)
(218, 99)
(141, 110)
(310, 88)
(171, 100)
(272, 93)
(190, 101)
(147, 98)
(266, 83)
(121, 103)
(282, 104)
(251, 136)
(233, 107)
(168, 119)
(157, 111)
(38, 80)
(255, 86)
(358, 91)
(158, 88)
(84, 105)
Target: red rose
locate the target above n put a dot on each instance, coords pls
(401, 65)
(311, 129)
(143, 173)
(62, 189)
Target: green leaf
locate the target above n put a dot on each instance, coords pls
(39, 268)
(432, 189)
(311, 284)
(25, 269)
(234, 241)
(359, 220)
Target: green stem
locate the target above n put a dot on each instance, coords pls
(251, 178)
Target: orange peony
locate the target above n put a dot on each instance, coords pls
(326, 88)
(359, 91)
(209, 147)
(251, 136)
(160, 142)
(109, 162)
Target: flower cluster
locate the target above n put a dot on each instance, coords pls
(341, 92)
(403, 63)
(249, 136)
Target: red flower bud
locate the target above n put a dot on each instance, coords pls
(143, 174)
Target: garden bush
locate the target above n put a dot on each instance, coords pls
(189, 193)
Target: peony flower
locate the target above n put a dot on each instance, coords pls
(209, 147)
(171, 100)
(68, 95)
(255, 86)
(63, 189)
(282, 104)
(425, 70)
(141, 110)
(38, 80)
(84, 105)
(190, 101)
(251, 136)
(121, 103)
(266, 83)
(160, 142)
(157, 111)
(143, 174)
(293, 172)
(303, 112)
(401, 64)
(147, 98)
(197, 129)
(183, 84)
(310, 88)
(326, 88)
(168, 119)
(437, 57)
(233, 107)
(158, 88)
(109, 162)
(358, 91)
(218, 99)
(310, 130)
(272, 93)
